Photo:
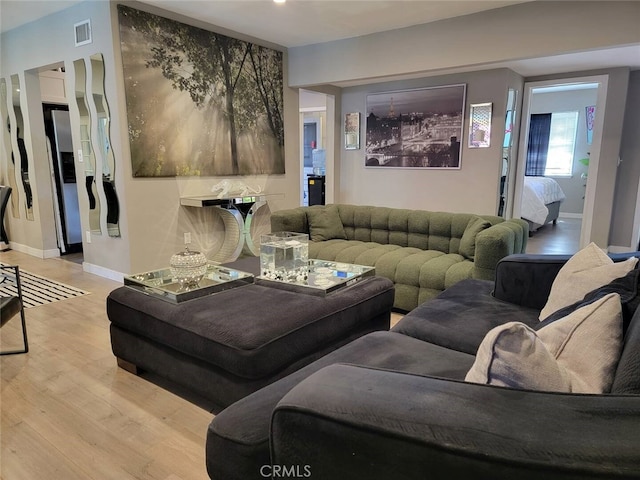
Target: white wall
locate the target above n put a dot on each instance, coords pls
(24, 53)
(152, 222)
(528, 30)
(157, 221)
(473, 188)
(522, 31)
(626, 198)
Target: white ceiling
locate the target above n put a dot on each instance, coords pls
(304, 22)
(292, 24)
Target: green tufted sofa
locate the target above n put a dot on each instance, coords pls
(421, 252)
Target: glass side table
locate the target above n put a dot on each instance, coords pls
(323, 277)
(161, 283)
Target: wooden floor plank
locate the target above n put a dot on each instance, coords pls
(31, 456)
(68, 412)
(559, 239)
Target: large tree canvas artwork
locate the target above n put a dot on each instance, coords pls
(198, 102)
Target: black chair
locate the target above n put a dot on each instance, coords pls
(5, 193)
(11, 305)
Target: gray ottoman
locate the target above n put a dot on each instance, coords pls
(230, 344)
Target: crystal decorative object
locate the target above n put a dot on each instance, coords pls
(322, 278)
(284, 256)
(188, 268)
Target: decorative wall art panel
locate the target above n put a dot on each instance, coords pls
(591, 118)
(352, 131)
(198, 102)
(480, 125)
(419, 128)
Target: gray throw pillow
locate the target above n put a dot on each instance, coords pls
(586, 270)
(468, 241)
(325, 223)
(577, 353)
(626, 287)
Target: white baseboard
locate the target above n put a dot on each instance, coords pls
(103, 272)
(53, 253)
(569, 215)
(34, 252)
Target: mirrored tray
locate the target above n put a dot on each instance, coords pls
(162, 284)
(323, 277)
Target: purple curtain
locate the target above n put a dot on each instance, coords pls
(539, 128)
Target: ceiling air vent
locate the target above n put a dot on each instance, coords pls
(83, 32)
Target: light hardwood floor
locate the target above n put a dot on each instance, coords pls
(69, 413)
(562, 238)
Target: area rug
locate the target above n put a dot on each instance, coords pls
(36, 290)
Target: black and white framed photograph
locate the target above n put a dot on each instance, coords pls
(419, 128)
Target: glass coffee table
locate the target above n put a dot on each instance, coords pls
(323, 277)
(162, 284)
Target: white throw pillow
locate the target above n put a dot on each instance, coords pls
(577, 353)
(587, 270)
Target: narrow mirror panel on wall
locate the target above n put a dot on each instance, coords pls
(8, 173)
(104, 147)
(19, 157)
(510, 119)
(88, 157)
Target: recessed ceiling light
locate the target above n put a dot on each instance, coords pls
(279, 1)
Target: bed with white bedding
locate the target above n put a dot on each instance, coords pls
(541, 199)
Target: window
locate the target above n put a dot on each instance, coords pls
(562, 139)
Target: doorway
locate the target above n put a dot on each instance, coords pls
(61, 162)
(565, 99)
(309, 144)
(317, 140)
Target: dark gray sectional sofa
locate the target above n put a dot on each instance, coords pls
(395, 404)
(421, 252)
